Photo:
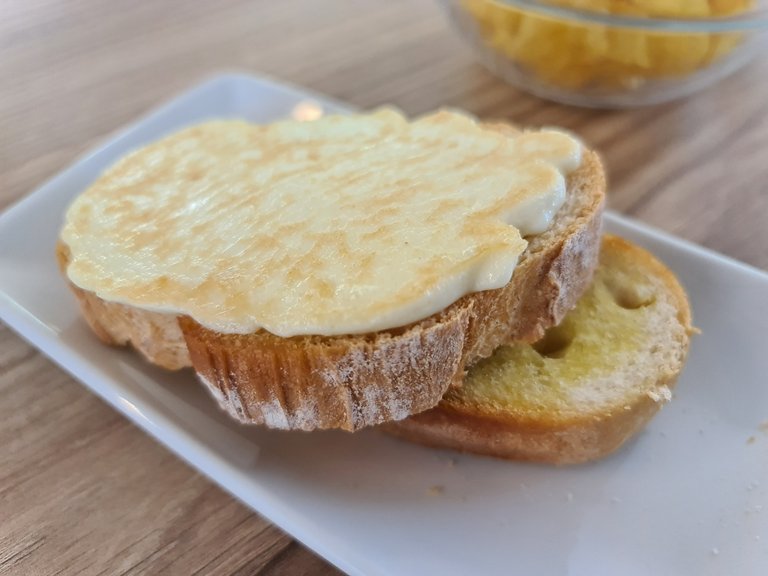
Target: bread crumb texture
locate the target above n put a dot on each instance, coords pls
(609, 351)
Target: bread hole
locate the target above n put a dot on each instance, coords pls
(631, 297)
(554, 344)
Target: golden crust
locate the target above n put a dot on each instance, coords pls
(549, 436)
(349, 382)
(563, 442)
(308, 383)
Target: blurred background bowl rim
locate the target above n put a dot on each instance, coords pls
(753, 20)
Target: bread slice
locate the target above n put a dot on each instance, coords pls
(349, 382)
(583, 390)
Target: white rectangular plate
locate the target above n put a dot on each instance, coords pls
(689, 496)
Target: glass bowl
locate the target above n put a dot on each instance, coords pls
(612, 53)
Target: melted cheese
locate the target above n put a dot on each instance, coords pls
(343, 225)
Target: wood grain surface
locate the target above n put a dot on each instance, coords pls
(82, 491)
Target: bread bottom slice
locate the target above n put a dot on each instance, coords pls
(349, 382)
(588, 386)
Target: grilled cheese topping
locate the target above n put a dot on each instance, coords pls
(342, 225)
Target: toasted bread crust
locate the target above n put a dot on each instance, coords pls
(572, 442)
(350, 382)
(308, 383)
(552, 438)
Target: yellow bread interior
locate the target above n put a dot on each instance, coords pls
(624, 341)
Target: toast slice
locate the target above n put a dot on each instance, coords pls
(353, 381)
(588, 386)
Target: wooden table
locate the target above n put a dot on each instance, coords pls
(84, 491)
